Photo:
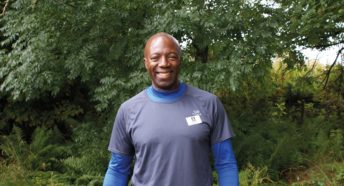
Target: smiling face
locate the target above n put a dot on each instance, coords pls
(162, 61)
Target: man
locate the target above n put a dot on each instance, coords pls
(170, 129)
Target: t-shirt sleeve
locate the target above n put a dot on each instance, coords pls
(120, 141)
(222, 129)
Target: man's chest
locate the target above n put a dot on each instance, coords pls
(165, 124)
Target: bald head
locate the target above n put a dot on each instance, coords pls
(161, 35)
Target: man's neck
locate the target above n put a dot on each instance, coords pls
(160, 95)
(166, 91)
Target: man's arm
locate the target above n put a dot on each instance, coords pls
(225, 163)
(118, 170)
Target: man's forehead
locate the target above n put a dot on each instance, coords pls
(162, 42)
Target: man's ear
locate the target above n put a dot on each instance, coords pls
(145, 62)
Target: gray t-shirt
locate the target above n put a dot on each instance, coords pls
(171, 141)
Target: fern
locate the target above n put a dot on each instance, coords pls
(14, 148)
(44, 152)
(92, 156)
(252, 176)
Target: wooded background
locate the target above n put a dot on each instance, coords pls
(67, 65)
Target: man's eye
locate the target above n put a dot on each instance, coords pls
(172, 57)
(155, 58)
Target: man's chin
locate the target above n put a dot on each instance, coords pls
(164, 85)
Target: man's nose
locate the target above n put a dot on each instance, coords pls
(164, 61)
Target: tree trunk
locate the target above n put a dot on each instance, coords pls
(201, 53)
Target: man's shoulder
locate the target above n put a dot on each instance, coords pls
(199, 93)
(137, 99)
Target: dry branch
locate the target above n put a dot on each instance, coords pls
(4, 8)
(330, 69)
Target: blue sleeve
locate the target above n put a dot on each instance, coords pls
(118, 170)
(225, 163)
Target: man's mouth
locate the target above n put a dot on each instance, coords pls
(164, 74)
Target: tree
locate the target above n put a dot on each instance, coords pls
(314, 24)
(234, 38)
(55, 44)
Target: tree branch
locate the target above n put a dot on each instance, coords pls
(5, 7)
(313, 66)
(324, 46)
(330, 69)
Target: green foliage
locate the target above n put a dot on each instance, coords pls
(13, 174)
(90, 180)
(24, 163)
(336, 144)
(14, 147)
(48, 52)
(252, 176)
(44, 152)
(320, 174)
(45, 161)
(49, 178)
(272, 144)
(91, 155)
(305, 16)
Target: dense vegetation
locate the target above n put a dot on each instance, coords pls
(66, 66)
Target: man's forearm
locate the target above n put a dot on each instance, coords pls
(118, 170)
(225, 163)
